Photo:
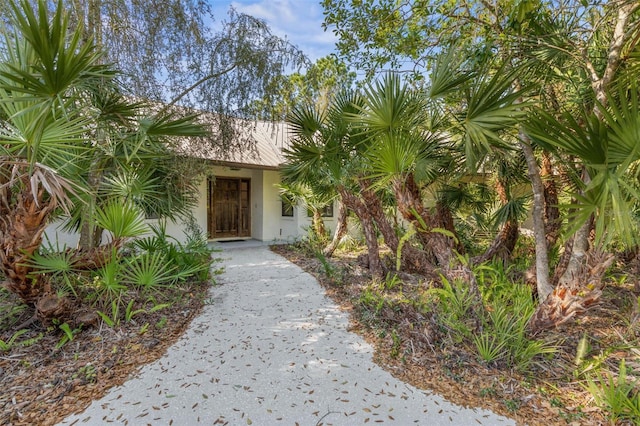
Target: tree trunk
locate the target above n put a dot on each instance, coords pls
(444, 219)
(579, 246)
(542, 256)
(579, 250)
(573, 297)
(502, 245)
(551, 211)
(373, 250)
(318, 225)
(21, 229)
(340, 231)
(411, 257)
(411, 207)
(87, 228)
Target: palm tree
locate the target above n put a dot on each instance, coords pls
(49, 136)
(404, 154)
(324, 152)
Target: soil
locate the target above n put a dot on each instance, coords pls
(552, 394)
(42, 385)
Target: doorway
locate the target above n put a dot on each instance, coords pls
(229, 212)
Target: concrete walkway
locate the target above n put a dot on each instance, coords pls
(271, 349)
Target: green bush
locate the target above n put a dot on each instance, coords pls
(507, 307)
(454, 309)
(618, 396)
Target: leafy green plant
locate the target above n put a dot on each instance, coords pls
(32, 341)
(162, 323)
(114, 319)
(616, 395)
(144, 328)
(107, 283)
(130, 312)
(490, 347)
(122, 220)
(150, 272)
(455, 303)
(68, 334)
(371, 302)
(194, 258)
(392, 281)
(332, 272)
(10, 309)
(88, 373)
(57, 265)
(397, 344)
(6, 346)
(512, 405)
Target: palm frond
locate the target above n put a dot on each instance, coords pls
(447, 75)
(121, 220)
(492, 107)
(515, 209)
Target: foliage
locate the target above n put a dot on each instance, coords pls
(107, 285)
(6, 346)
(317, 86)
(607, 147)
(619, 395)
(66, 130)
(193, 258)
(502, 339)
(455, 303)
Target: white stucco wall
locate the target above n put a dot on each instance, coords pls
(267, 222)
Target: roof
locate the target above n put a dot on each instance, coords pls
(243, 143)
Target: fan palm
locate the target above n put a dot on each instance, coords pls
(324, 152)
(55, 117)
(404, 153)
(608, 148)
(40, 74)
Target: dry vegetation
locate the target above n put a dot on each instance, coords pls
(412, 345)
(42, 384)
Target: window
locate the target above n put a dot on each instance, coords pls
(287, 207)
(326, 211)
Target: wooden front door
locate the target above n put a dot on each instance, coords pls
(229, 208)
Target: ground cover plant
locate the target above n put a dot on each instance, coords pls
(74, 149)
(430, 334)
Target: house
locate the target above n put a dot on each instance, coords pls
(239, 199)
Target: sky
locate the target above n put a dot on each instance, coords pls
(300, 21)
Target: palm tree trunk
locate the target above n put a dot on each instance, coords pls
(21, 229)
(504, 243)
(551, 210)
(444, 219)
(412, 258)
(412, 208)
(373, 250)
(87, 229)
(543, 285)
(339, 232)
(318, 225)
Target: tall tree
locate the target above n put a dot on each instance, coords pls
(576, 51)
(317, 86)
(168, 52)
(49, 79)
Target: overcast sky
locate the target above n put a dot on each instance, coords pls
(300, 21)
